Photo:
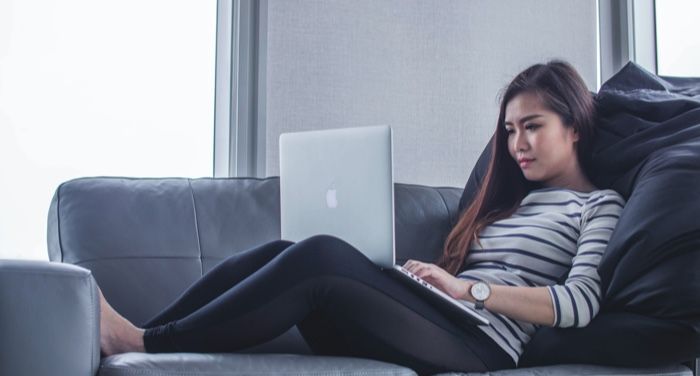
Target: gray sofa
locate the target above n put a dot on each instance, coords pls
(145, 240)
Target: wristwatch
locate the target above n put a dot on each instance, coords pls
(480, 292)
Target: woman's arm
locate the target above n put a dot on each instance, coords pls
(573, 303)
(530, 304)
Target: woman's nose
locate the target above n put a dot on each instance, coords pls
(520, 141)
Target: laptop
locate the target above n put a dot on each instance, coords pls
(340, 182)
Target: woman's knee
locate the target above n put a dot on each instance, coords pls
(264, 251)
(280, 243)
(325, 243)
(325, 250)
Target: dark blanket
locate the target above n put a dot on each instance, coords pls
(647, 149)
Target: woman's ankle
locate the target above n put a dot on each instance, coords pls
(137, 340)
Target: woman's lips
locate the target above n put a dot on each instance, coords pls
(525, 163)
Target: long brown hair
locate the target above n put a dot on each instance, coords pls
(561, 90)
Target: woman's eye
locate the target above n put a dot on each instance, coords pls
(531, 126)
(509, 131)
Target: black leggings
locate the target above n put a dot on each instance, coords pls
(342, 303)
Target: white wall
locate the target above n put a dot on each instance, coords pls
(430, 69)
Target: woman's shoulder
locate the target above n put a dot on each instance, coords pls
(606, 195)
(606, 204)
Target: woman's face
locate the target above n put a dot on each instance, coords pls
(539, 142)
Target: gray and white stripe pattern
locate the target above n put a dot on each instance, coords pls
(556, 238)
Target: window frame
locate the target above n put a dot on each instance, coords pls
(240, 98)
(626, 32)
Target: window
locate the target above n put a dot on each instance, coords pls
(99, 88)
(677, 37)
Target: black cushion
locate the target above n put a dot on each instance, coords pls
(648, 149)
(614, 339)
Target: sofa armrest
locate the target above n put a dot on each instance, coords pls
(49, 319)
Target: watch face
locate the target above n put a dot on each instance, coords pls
(480, 291)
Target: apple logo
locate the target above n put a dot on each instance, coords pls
(331, 199)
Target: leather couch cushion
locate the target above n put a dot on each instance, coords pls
(185, 364)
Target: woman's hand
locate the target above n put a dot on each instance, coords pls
(530, 304)
(440, 278)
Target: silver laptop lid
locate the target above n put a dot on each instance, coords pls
(340, 182)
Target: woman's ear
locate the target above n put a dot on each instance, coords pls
(575, 134)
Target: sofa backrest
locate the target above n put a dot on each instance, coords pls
(147, 239)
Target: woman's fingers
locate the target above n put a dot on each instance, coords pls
(423, 270)
(412, 265)
(428, 272)
(431, 273)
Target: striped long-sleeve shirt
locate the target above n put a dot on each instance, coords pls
(555, 235)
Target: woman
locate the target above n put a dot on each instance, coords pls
(525, 251)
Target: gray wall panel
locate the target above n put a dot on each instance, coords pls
(430, 69)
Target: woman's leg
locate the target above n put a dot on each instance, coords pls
(222, 277)
(344, 305)
(118, 335)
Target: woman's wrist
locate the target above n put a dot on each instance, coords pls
(467, 295)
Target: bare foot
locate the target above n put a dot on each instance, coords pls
(117, 334)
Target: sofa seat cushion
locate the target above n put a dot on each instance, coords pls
(585, 369)
(189, 364)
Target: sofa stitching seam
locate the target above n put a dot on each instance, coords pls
(92, 312)
(196, 228)
(447, 209)
(98, 259)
